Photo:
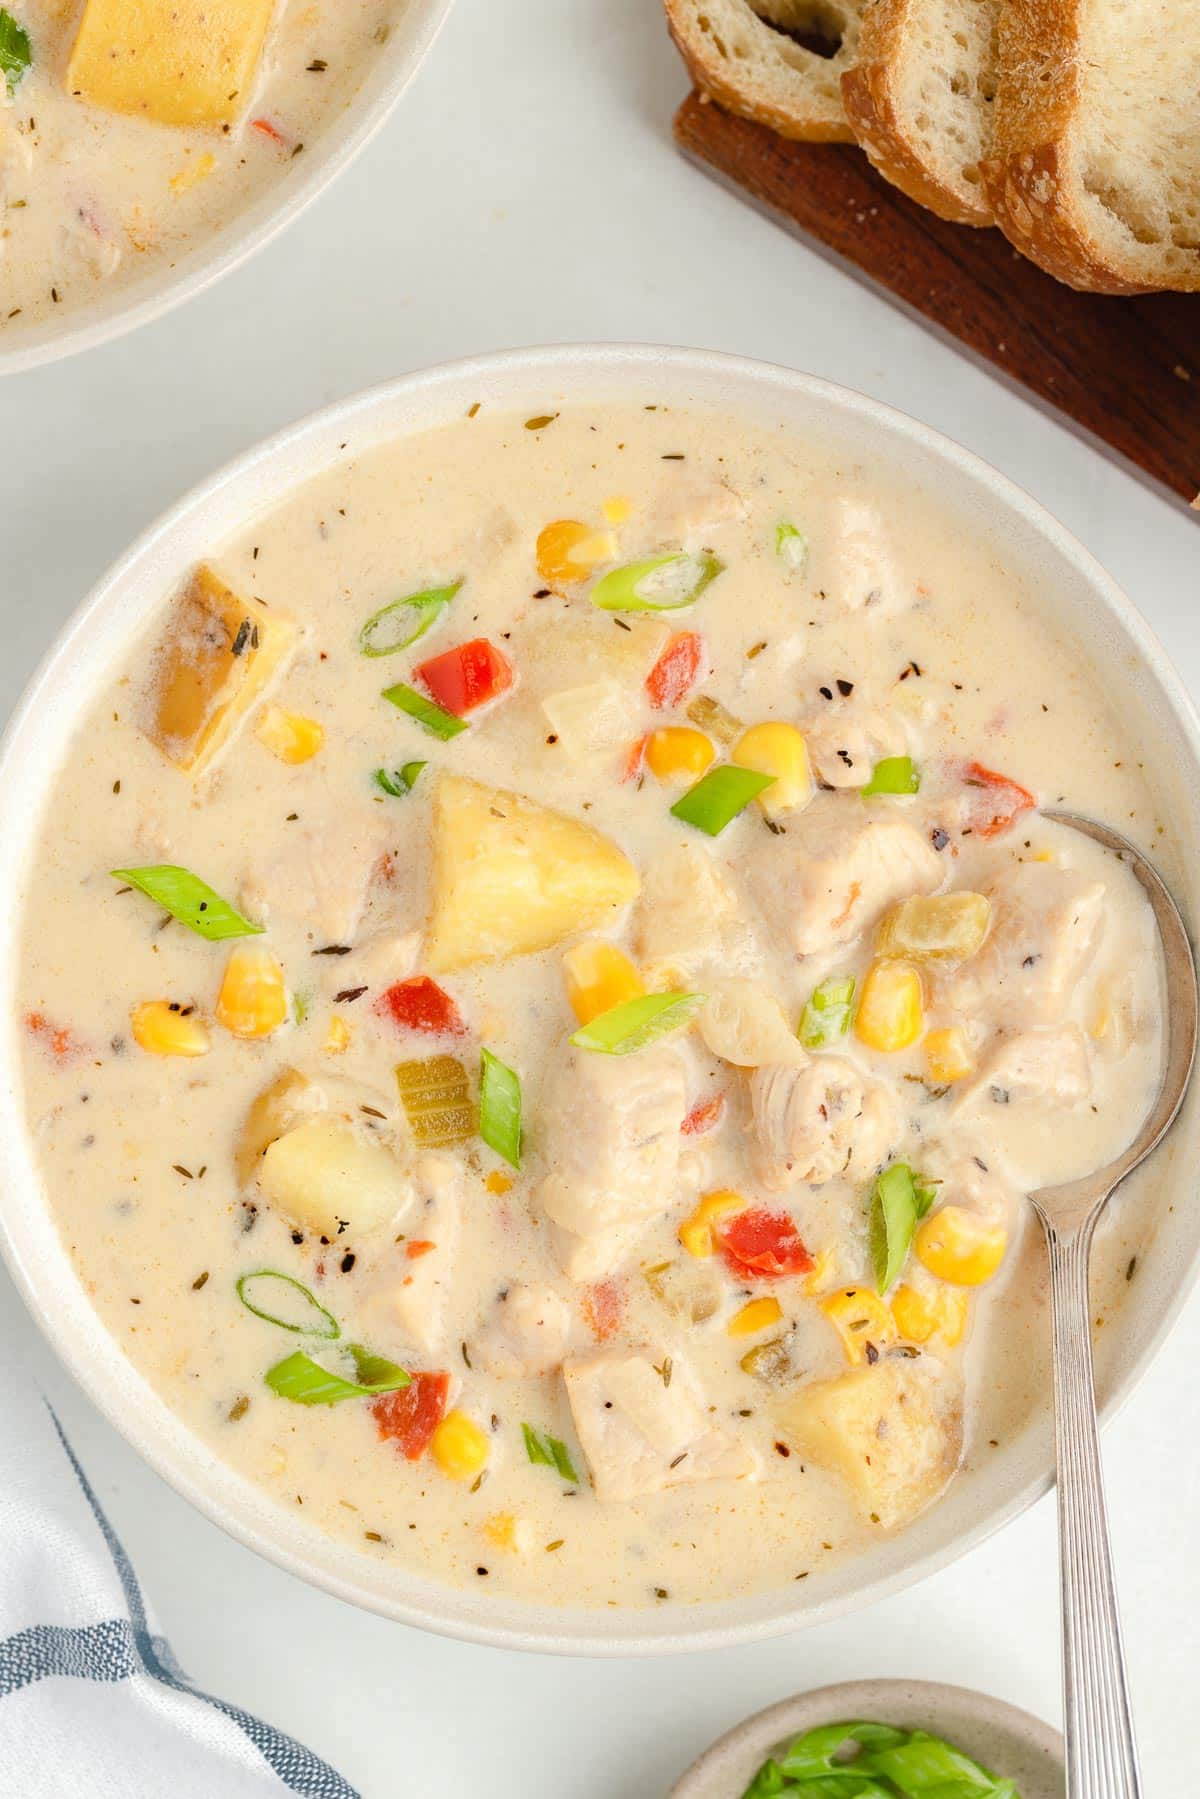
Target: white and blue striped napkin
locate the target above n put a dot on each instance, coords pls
(92, 1703)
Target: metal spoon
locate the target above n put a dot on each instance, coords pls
(1101, 1753)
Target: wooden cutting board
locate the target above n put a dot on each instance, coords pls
(1123, 372)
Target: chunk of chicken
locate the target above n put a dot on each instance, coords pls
(852, 560)
(611, 1152)
(375, 962)
(688, 510)
(419, 1299)
(967, 1178)
(639, 1434)
(526, 1332)
(687, 919)
(846, 739)
(838, 869)
(820, 1120)
(1046, 924)
(319, 877)
(1048, 1068)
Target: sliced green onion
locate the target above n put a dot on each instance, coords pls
(272, 1295)
(657, 583)
(401, 780)
(432, 718)
(549, 1452)
(895, 774)
(500, 1108)
(397, 626)
(637, 1022)
(828, 1013)
(189, 899)
(899, 1200)
(16, 52)
(301, 1379)
(718, 797)
(875, 1761)
(791, 547)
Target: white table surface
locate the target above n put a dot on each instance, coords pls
(527, 191)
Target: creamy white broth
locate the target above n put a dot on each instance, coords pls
(93, 199)
(138, 1149)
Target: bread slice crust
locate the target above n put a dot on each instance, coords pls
(872, 96)
(739, 55)
(1036, 177)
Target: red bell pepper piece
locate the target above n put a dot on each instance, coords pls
(675, 672)
(467, 676)
(410, 1415)
(759, 1243)
(420, 1004)
(995, 800)
(703, 1116)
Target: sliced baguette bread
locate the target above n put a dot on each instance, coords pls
(1095, 172)
(759, 59)
(920, 99)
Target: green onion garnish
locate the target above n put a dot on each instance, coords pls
(828, 1012)
(189, 899)
(859, 1760)
(895, 774)
(550, 1452)
(719, 796)
(899, 1200)
(657, 583)
(637, 1022)
(438, 723)
(401, 780)
(273, 1296)
(500, 1108)
(301, 1379)
(16, 52)
(397, 626)
(791, 546)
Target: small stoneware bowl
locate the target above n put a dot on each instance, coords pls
(1004, 1740)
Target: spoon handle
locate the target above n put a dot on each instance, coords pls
(1101, 1753)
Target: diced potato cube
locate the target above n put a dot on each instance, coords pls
(330, 1177)
(893, 1431)
(215, 659)
(278, 1107)
(511, 876)
(937, 926)
(177, 62)
(591, 719)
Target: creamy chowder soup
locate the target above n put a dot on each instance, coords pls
(130, 132)
(551, 1085)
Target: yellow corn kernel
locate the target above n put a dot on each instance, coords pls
(755, 1316)
(504, 1531)
(166, 1028)
(597, 546)
(617, 510)
(891, 1010)
(818, 1275)
(459, 1446)
(554, 545)
(677, 753)
(779, 750)
(498, 1183)
(960, 1246)
(695, 1233)
(253, 997)
(947, 1056)
(1044, 856)
(288, 735)
(599, 976)
(920, 1316)
(337, 1037)
(199, 168)
(860, 1318)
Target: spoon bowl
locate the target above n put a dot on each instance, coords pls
(1101, 1751)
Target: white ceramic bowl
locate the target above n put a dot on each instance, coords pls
(127, 305)
(92, 649)
(1001, 1738)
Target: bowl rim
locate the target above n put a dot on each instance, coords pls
(255, 225)
(189, 1472)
